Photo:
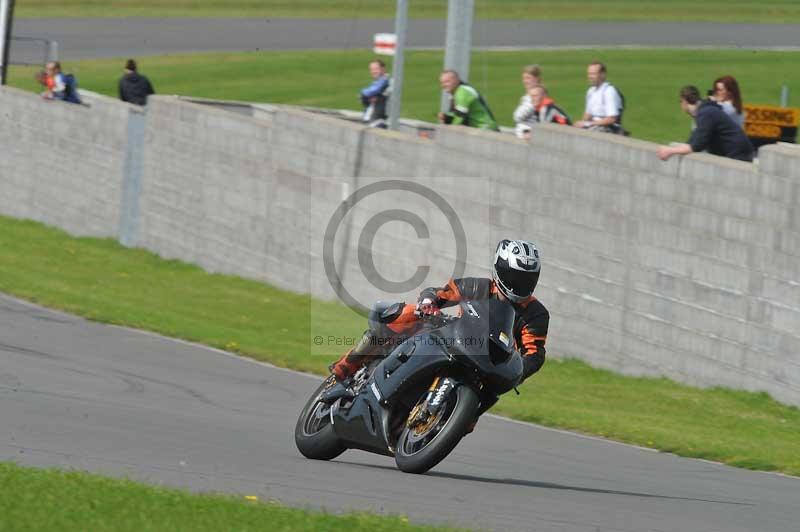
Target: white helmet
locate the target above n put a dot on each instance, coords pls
(516, 269)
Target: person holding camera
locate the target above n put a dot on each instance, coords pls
(715, 133)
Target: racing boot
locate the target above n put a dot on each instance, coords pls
(344, 368)
(347, 366)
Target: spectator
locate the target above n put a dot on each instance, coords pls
(64, 86)
(375, 97)
(546, 109)
(47, 83)
(716, 132)
(133, 87)
(726, 93)
(525, 115)
(604, 103)
(467, 106)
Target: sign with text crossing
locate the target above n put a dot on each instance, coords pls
(385, 43)
(765, 124)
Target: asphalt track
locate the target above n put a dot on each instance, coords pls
(136, 37)
(78, 394)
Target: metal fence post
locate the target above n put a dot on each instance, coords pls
(52, 51)
(6, 25)
(401, 24)
(458, 45)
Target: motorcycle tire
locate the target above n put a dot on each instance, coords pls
(313, 435)
(453, 427)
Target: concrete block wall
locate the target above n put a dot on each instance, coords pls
(316, 159)
(688, 268)
(651, 267)
(660, 269)
(207, 183)
(63, 164)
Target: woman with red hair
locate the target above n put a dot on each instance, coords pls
(728, 96)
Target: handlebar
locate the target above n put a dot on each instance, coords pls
(437, 320)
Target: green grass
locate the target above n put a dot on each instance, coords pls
(767, 11)
(105, 282)
(47, 499)
(650, 79)
(742, 429)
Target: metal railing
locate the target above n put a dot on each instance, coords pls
(49, 51)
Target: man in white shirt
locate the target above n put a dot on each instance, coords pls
(604, 104)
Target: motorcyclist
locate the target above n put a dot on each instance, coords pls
(514, 277)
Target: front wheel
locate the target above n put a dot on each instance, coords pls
(313, 434)
(421, 447)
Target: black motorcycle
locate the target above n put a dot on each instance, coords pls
(418, 402)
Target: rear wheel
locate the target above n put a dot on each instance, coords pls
(421, 447)
(313, 433)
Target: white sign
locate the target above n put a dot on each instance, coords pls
(385, 43)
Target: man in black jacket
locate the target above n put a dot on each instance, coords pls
(133, 87)
(715, 131)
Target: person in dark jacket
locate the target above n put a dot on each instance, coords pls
(375, 97)
(715, 131)
(133, 87)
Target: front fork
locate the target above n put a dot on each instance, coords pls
(429, 407)
(433, 401)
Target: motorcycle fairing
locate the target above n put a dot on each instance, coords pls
(365, 423)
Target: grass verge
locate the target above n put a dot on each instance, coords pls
(48, 499)
(766, 11)
(99, 279)
(650, 79)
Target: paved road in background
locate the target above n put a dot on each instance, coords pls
(84, 395)
(91, 38)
